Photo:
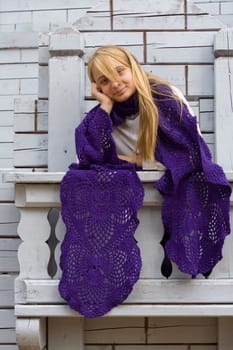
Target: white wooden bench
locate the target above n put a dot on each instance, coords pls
(40, 310)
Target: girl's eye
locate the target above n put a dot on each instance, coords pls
(120, 70)
(104, 81)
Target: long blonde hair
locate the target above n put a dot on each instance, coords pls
(145, 84)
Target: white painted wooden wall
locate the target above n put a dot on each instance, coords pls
(23, 135)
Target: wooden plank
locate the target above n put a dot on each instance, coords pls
(147, 291)
(169, 47)
(185, 330)
(225, 334)
(9, 87)
(7, 319)
(8, 213)
(8, 336)
(97, 19)
(207, 121)
(24, 122)
(21, 70)
(65, 333)
(27, 105)
(200, 80)
(148, 310)
(6, 118)
(115, 330)
(7, 193)
(8, 255)
(30, 149)
(148, 347)
(6, 150)
(6, 134)
(17, 40)
(132, 41)
(223, 112)
(156, 15)
(7, 290)
(34, 5)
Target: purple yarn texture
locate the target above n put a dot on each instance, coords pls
(100, 197)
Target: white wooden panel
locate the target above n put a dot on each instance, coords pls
(17, 40)
(6, 150)
(175, 74)
(8, 213)
(14, 71)
(129, 16)
(226, 8)
(8, 336)
(29, 55)
(28, 86)
(19, 17)
(7, 318)
(148, 310)
(27, 105)
(74, 14)
(30, 149)
(9, 347)
(43, 82)
(203, 22)
(33, 5)
(8, 255)
(207, 121)
(224, 119)
(6, 290)
(8, 229)
(97, 19)
(201, 80)
(6, 118)
(9, 87)
(115, 330)
(132, 41)
(212, 8)
(65, 108)
(65, 333)
(24, 122)
(6, 134)
(206, 105)
(182, 330)
(6, 193)
(10, 56)
(42, 122)
(44, 55)
(174, 47)
(146, 291)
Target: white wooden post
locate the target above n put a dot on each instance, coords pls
(223, 48)
(66, 91)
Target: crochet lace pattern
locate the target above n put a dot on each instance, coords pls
(100, 258)
(100, 197)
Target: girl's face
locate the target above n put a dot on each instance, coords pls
(117, 91)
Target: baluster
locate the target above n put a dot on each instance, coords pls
(60, 232)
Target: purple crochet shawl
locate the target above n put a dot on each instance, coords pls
(100, 196)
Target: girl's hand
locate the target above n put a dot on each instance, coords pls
(134, 158)
(105, 102)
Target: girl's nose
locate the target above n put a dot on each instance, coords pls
(115, 84)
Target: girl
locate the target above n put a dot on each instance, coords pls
(141, 121)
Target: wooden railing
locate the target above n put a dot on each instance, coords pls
(42, 230)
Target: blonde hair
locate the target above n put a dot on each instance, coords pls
(145, 84)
